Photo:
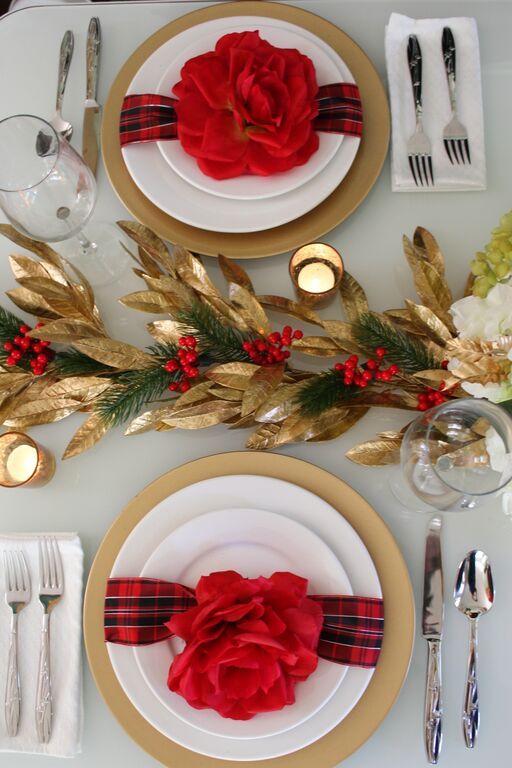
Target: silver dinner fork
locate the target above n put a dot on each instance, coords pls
(51, 587)
(17, 595)
(418, 147)
(455, 135)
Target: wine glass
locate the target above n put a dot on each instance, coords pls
(48, 193)
(456, 455)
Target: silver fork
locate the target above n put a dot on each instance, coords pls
(17, 595)
(51, 587)
(418, 147)
(455, 135)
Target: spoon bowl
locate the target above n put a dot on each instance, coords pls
(473, 596)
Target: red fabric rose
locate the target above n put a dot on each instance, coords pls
(247, 107)
(248, 642)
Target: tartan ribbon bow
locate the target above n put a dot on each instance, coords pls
(136, 610)
(152, 117)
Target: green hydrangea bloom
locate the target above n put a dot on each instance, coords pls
(494, 263)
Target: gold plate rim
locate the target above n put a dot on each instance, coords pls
(396, 652)
(356, 185)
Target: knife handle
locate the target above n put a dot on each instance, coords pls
(92, 55)
(65, 56)
(448, 47)
(414, 59)
(433, 704)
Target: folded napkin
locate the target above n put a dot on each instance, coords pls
(65, 659)
(152, 117)
(137, 610)
(436, 102)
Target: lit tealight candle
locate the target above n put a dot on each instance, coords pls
(316, 271)
(23, 461)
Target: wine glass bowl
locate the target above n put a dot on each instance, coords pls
(458, 454)
(46, 190)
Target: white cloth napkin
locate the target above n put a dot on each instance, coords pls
(436, 102)
(65, 658)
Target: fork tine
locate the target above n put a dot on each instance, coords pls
(466, 147)
(429, 158)
(43, 563)
(51, 560)
(7, 571)
(418, 169)
(17, 570)
(411, 165)
(58, 563)
(24, 570)
(424, 165)
(458, 151)
(447, 147)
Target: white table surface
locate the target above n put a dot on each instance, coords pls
(89, 491)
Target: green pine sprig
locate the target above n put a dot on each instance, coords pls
(407, 352)
(323, 392)
(220, 342)
(71, 362)
(131, 392)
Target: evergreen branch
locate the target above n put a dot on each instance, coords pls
(9, 326)
(408, 353)
(220, 342)
(131, 391)
(71, 362)
(323, 392)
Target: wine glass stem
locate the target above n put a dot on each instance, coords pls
(88, 248)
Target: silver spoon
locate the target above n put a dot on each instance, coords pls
(473, 596)
(62, 126)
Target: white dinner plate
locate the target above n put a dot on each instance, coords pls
(248, 186)
(254, 543)
(239, 491)
(172, 194)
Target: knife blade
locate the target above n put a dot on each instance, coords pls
(432, 624)
(91, 106)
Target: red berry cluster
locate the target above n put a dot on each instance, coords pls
(185, 363)
(361, 375)
(431, 397)
(23, 345)
(270, 350)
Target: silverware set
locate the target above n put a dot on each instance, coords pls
(473, 595)
(18, 595)
(455, 135)
(90, 144)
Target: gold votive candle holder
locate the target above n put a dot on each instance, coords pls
(23, 462)
(316, 270)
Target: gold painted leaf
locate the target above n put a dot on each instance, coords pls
(265, 438)
(342, 333)
(148, 301)
(34, 246)
(148, 420)
(428, 322)
(47, 288)
(43, 411)
(224, 311)
(333, 423)
(431, 287)
(12, 381)
(65, 330)
(193, 273)
(8, 405)
(165, 331)
(402, 318)
(249, 308)
(295, 425)
(425, 242)
(353, 297)
(148, 263)
(116, 354)
(234, 273)
(434, 377)
(32, 303)
(24, 267)
(223, 393)
(261, 385)
(87, 435)
(281, 404)
(319, 346)
(376, 453)
(203, 415)
(195, 394)
(289, 307)
(83, 388)
(234, 375)
(147, 239)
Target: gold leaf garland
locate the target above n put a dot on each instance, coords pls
(236, 393)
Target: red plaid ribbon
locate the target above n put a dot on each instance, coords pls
(152, 117)
(136, 611)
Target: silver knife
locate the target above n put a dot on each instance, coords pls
(433, 611)
(92, 108)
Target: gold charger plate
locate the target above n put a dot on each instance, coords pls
(396, 652)
(336, 208)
